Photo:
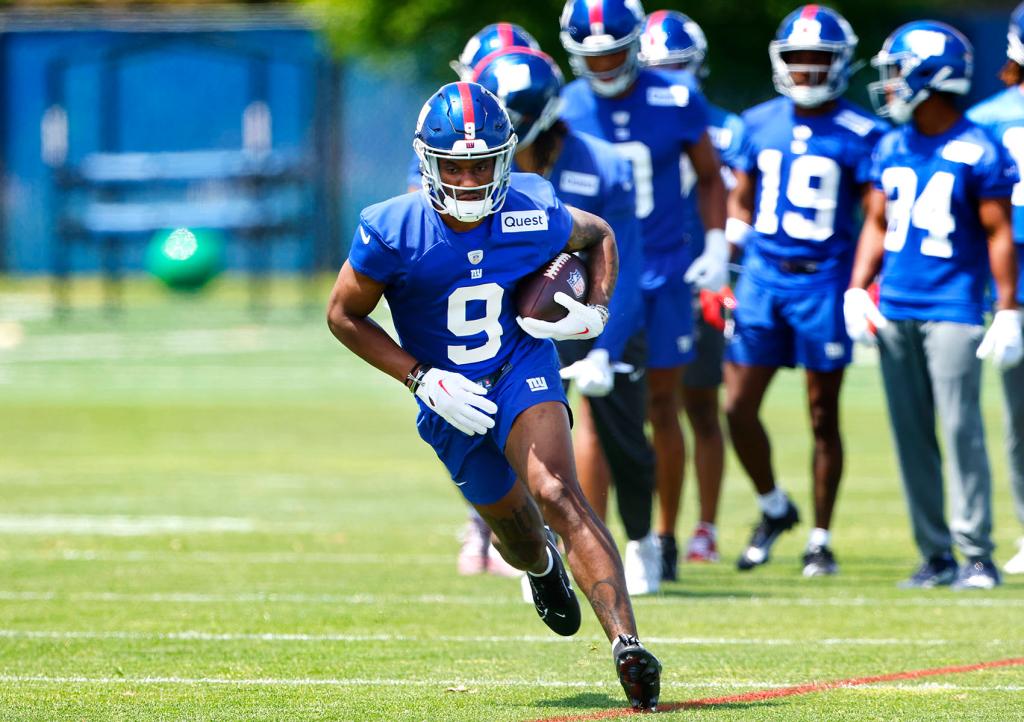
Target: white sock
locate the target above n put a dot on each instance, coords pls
(773, 503)
(819, 537)
(709, 528)
(551, 563)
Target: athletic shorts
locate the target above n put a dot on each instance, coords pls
(705, 371)
(668, 309)
(775, 328)
(477, 464)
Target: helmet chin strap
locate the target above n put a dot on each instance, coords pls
(614, 87)
(467, 211)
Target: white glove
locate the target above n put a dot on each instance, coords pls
(859, 311)
(583, 321)
(457, 400)
(1002, 342)
(710, 269)
(593, 374)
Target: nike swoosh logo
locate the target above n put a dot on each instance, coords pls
(586, 330)
(558, 615)
(364, 234)
(441, 384)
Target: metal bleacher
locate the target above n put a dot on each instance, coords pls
(257, 196)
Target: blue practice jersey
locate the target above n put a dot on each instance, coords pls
(652, 127)
(591, 176)
(809, 174)
(936, 252)
(726, 131)
(452, 295)
(1003, 115)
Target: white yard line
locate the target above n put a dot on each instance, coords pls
(461, 684)
(512, 599)
(199, 636)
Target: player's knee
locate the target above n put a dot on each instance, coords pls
(704, 420)
(559, 504)
(824, 422)
(663, 408)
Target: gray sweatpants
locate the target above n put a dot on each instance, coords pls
(929, 367)
(1013, 397)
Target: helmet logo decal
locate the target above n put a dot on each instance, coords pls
(926, 43)
(806, 31)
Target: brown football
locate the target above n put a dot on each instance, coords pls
(535, 295)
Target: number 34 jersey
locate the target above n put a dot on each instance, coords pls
(808, 174)
(936, 252)
(452, 295)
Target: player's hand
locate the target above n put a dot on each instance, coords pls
(861, 313)
(457, 400)
(593, 374)
(710, 269)
(582, 321)
(1002, 342)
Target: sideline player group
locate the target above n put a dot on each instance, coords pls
(658, 190)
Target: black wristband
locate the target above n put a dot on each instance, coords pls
(414, 378)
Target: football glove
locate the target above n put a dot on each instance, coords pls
(710, 269)
(593, 374)
(861, 316)
(457, 400)
(582, 321)
(1002, 342)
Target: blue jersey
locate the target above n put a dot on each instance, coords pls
(809, 173)
(591, 176)
(726, 131)
(452, 295)
(936, 252)
(1003, 115)
(652, 127)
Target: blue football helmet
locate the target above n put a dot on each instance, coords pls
(813, 27)
(1015, 36)
(671, 38)
(464, 121)
(916, 59)
(494, 37)
(601, 27)
(528, 82)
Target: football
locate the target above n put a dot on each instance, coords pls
(535, 295)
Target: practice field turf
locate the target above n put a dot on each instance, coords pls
(210, 515)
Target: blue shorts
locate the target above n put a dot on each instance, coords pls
(668, 308)
(477, 464)
(775, 328)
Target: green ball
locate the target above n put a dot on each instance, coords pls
(185, 259)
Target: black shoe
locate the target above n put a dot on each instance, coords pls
(669, 557)
(977, 573)
(553, 596)
(819, 562)
(939, 571)
(759, 549)
(639, 672)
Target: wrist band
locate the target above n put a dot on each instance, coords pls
(414, 378)
(603, 311)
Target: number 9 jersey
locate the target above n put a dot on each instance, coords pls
(936, 251)
(452, 295)
(808, 174)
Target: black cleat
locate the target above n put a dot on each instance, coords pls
(553, 597)
(639, 672)
(820, 562)
(669, 557)
(765, 534)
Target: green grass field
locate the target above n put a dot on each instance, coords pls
(206, 515)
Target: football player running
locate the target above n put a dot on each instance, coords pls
(802, 173)
(490, 399)
(1003, 114)
(654, 117)
(588, 174)
(937, 219)
(672, 41)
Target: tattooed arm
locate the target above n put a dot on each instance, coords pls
(593, 234)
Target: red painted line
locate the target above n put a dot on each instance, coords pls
(808, 688)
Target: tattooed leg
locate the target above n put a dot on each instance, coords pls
(540, 451)
(518, 529)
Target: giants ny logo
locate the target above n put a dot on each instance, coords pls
(537, 383)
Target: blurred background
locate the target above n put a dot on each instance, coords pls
(271, 125)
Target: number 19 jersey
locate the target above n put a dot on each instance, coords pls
(452, 295)
(808, 174)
